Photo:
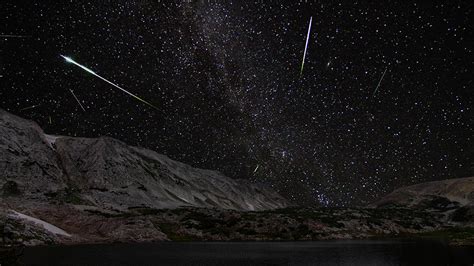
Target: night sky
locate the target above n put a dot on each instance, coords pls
(225, 78)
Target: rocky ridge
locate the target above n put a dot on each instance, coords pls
(106, 173)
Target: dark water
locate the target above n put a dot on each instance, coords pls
(250, 253)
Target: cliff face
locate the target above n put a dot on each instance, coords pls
(26, 158)
(108, 174)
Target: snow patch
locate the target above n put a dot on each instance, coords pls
(51, 140)
(49, 227)
(183, 199)
(251, 207)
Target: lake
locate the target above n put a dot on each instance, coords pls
(350, 252)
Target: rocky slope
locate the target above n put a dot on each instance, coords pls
(184, 224)
(453, 198)
(211, 224)
(108, 174)
(438, 195)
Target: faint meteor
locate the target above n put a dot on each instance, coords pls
(380, 81)
(30, 107)
(306, 45)
(69, 60)
(256, 168)
(13, 36)
(77, 100)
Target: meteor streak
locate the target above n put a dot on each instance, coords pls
(77, 100)
(380, 81)
(30, 107)
(256, 168)
(13, 36)
(306, 45)
(69, 60)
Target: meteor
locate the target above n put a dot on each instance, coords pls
(77, 100)
(13, 36)
(30, 107)
(69, 60)
(256, 168)
(306, 45)
(380, 81)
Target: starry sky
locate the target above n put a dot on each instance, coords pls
(225, 78)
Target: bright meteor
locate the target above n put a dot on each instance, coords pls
(306, 45)
(69, 60)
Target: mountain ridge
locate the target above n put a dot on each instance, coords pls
(108, 173)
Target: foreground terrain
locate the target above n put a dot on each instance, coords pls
(69, 224)
(67, 190)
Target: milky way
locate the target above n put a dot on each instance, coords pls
(225, 80)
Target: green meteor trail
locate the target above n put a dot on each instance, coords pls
(69, 60)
